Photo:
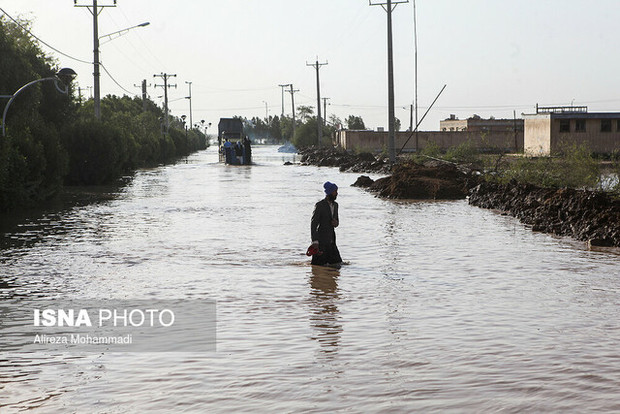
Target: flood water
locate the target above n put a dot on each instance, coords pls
(444, 307)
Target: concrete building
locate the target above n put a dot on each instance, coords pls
(552, 128)
(477, 124)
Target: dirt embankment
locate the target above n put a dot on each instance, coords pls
(408, 180)
(336, 157)
(421, 182)
(592, 216)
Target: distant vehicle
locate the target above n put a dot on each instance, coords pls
(288, 148)
(234, 147)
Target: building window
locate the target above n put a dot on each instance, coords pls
(606, 125)
(580, 125)
(564, 125)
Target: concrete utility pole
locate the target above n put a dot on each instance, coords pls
(283, 86)
(319, 122)
(95, 10)
(411, 118)
(415, 42)
(191, 119)
(389, 8)
(143, 86)
(165, 77)
(292, 92)
(266, 111)
(325, 110)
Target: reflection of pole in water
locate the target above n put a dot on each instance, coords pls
(324, 317)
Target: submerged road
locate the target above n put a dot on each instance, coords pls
(444, 306)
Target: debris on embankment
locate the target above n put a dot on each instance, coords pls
(592, 216)
(408, 180)
(345, 161)
(420, 182)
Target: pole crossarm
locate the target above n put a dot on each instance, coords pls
(384, 6)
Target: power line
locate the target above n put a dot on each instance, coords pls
(42, 41)
(114, 80)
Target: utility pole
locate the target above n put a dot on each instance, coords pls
(389, 8)
(283, 86)
(95, 10)
(80, 94)
(325, 110)
(165, 77)
(292, 92)
(144, 94)
(415, 42)
(319, 122)
(191, 119)
(411, 118)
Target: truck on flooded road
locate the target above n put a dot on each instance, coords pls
(234, 148)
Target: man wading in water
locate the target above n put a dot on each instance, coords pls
(324, 220)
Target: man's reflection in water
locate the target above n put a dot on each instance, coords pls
(324, 310)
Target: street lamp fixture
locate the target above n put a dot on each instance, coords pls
(119, 33)
(64, 76)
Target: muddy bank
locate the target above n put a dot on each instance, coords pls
(409, 180)
(591, 216)
(345, 161)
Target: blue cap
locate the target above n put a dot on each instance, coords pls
(330, 187)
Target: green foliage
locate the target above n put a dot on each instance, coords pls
(431, 149)
(52, 140)
(355, 122)
(33, 161)
(465, 152)
(304, 113)
(573, 167)
(306, 134)
(258, 128)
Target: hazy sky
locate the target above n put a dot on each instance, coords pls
(496, 56)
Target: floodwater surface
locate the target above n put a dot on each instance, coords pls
(444, 307)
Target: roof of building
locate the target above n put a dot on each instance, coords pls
(575, 115)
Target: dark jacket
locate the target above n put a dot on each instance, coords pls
(321, 227)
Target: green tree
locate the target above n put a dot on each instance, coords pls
(304, 113)
(355, 122)
(33, 161)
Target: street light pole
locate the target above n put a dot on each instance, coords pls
(95, 9)
(64, 75)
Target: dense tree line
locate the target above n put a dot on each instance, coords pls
(52, 140)
(280, 129)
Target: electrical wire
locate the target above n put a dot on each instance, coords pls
(42, 41)
(114, 80)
